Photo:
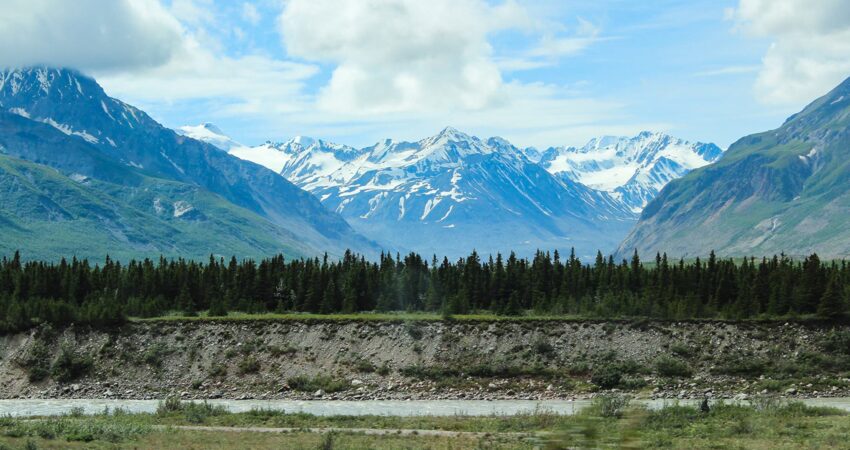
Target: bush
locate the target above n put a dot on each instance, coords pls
(69, 365)
(671, 367)
(278, 351)
(218, 371)
(249, 365)
(155, 354)
(413, 330)
(324, 383)
(364, 366)
(544, 348)
(36, 362)
(837, 342)
(609, 405)
(606, 376)
(742, 366)
(683, 350)
(193, 412)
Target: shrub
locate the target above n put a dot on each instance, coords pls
(609, 405)
(155, 354)
(837, 342)
(741, 366)
(544, 348)
(278, 351)
(413, 330)
(683, 350)
(606, 376)
(218, 371)
(384, 370)
(69, 365)
(579, 368)
(36, 362)
(249, 365)
(671, 367)
(320, 382)
(193, 412)
(364, 366)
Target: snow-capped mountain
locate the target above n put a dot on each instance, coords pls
(449, 193)
(143, 181)
(633, 169)
(209, 133)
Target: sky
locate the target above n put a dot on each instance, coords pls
(538, 73)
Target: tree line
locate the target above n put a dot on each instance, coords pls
(78, 291)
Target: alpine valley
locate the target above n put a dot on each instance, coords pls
(453, 192)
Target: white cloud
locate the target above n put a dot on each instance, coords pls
(552, 46)
(810, 49)
(189, 11)
(729, 70)
(401, 55)
(251, 84)
(87, 34)
(250, 13)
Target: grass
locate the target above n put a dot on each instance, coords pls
(404, 317)
(769, 423)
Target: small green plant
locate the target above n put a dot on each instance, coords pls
(36, 361)
(544, 348)
(363, 366)
(683, 350)
(249, 365)
(741, 365)
(217, 370)
(609, 405)
(384, 369)
(606, 376)
(70, 365)
(413, 330)
(276, 350)
(155, 354)
(671, 367)
(320, 382)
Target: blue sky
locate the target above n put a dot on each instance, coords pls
(535, 72)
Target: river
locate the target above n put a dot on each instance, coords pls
(47, 407)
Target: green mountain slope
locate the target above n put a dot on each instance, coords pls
(785, 190)
(61, 119)
(46, 214)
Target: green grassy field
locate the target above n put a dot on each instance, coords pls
(609, 423)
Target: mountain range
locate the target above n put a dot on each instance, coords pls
(85, 174)
(452, 192)
(785, 190)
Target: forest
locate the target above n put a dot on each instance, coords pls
(82, 292)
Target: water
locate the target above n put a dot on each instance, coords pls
(49, 407)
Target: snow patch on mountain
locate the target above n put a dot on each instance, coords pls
(633, 169)
(205, 132)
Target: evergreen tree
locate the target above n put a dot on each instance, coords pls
(832, 304)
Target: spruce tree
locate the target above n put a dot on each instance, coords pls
(832, 303)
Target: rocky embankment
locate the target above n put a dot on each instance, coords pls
(359, 360)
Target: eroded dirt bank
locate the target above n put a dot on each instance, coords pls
(426, 360)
